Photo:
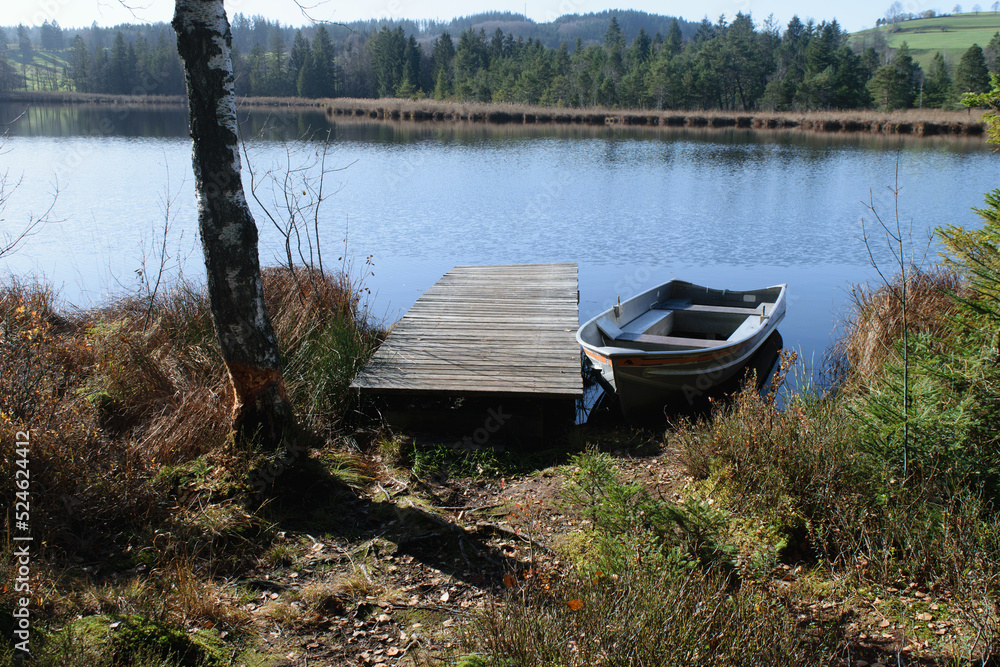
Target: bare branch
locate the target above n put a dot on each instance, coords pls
(306, 8)
(294, 204)
(10, 241)
(132, 8)
(150, 287)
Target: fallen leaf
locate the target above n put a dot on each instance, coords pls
(575, 604)
(509, 581)
(925, 617)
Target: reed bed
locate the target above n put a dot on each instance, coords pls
(913, 122)
(918, 122)
(874, 326)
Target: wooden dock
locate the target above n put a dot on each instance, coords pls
(485, 330)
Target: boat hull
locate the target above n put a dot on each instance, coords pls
(650, 381)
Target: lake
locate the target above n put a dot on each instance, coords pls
(633, 207)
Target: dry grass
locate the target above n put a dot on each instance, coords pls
(875, 325)
(86, 486)
(312, 604)
(137, 496)
(921, 122)
(299, 299)
(111, 396)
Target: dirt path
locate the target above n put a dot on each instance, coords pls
(428, 555)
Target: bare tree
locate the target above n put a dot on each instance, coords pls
(294, 192)
(894, 14)
(249, 346)
(977, 9)
(995, 6)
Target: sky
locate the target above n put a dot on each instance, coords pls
(852, 14)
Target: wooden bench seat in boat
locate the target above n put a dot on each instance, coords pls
(686, 305)
(671, 341)
(616, 335)
(750, 324)
(652, 321)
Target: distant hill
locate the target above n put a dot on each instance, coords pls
(589, 27)
(952, 35)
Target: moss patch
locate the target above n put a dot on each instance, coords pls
(134, 639)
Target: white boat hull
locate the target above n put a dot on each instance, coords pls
(636, 347)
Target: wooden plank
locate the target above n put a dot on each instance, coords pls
(673, 341)
(702, 308)
(500, 330)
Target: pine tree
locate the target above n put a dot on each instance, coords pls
(79, 65)
(307, 73)
(257, 70)
(52, 36)
(614, 45)
(674, 41)
(100, 71)
(937, 85)
(894, 85)
(471, 58)
(442, 55)
(640, 49)
(972, 75)
(412, 57)
(992, 53)
(297, 59)
(323, 82)
(276, 75)
(120, 74)
(24, 43)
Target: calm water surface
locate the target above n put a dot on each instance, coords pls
(632, 207)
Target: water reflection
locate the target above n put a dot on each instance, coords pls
(94, 120)
(280, 124)
(633, 206)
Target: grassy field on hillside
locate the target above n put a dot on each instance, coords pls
(952, 35)
(41, 67)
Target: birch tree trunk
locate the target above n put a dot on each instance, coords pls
(261, 410)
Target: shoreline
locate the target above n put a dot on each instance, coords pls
(914, 122)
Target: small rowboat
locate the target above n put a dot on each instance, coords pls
(673, 343)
